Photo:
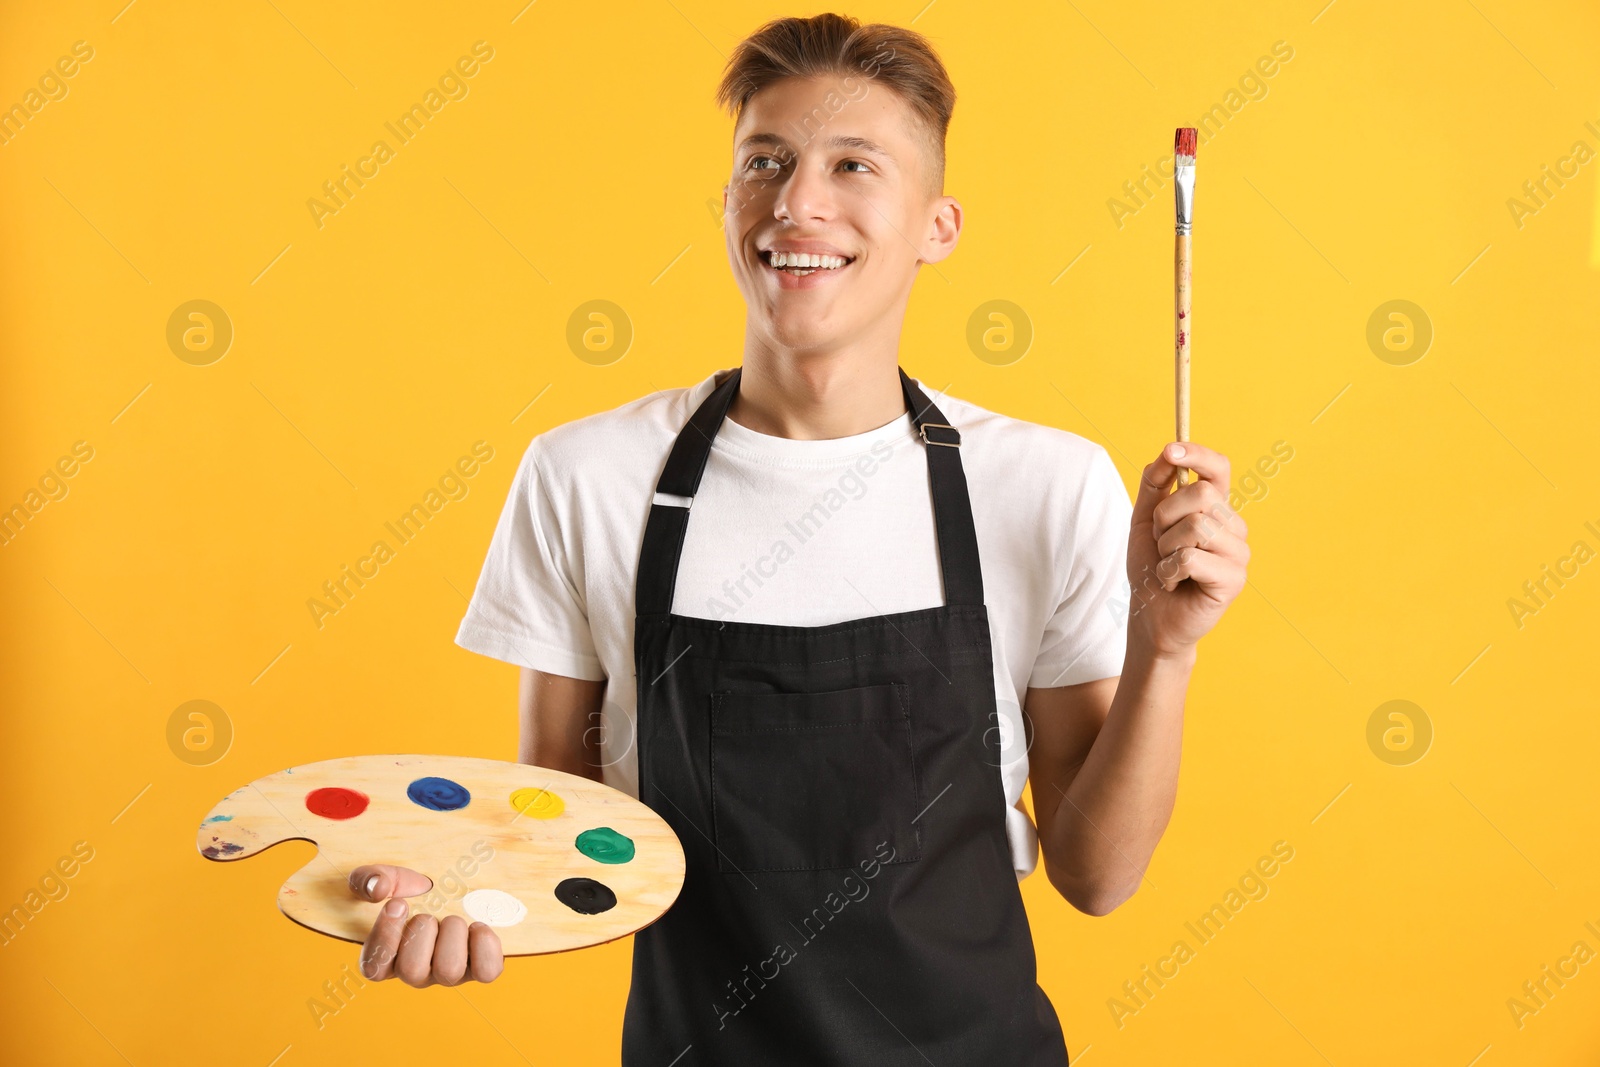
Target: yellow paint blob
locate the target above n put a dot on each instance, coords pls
(539, 803)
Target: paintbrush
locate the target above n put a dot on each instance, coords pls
(1184, 147)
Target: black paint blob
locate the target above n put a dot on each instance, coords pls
(585, 896)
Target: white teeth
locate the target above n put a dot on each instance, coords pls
(804, 260)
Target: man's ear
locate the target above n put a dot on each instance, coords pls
(944, 230)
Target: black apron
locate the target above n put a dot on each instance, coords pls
(850, 896)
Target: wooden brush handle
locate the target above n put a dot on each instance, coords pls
(1182, 323)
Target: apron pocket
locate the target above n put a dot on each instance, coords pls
(812, 781)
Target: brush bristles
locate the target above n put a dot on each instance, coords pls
(1184, 142)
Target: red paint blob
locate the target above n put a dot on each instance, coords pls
(336, 802)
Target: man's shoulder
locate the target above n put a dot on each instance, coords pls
(1017, 446)
(630, 439)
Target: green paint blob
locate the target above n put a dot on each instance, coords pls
(605, 845)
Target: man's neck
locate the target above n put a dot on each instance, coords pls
(817, 397)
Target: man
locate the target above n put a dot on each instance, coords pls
(828, 680)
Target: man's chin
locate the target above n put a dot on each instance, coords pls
(806, 334)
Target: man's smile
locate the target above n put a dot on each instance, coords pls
(803, 265)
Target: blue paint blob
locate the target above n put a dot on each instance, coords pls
(220, 818)
(438, 794)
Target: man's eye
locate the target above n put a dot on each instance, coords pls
(758, 163)
(857, 163)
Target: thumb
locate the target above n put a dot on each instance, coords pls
(380, 881)
(1155, 483)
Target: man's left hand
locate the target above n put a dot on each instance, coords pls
(1186, 550)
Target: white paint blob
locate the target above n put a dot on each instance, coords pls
(494, 907)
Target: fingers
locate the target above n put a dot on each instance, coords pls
(1219, 577)
(1210, 467)
(1197, 498)
(463, 953)
(484, 958)
(378, 954)
(1201, 530)
(1207, 498)
(450, 951)
(424, 951)
(380, 881)
(414, 963)
(1207, 464)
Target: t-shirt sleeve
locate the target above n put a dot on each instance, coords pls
(527, 609)
(1086, 637)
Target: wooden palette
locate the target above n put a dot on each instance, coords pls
(551, 860)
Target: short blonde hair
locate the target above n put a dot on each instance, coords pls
(900, 59)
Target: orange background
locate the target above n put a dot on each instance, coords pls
(1427, 484)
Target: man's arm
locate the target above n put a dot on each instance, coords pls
(560, 719)
(1104, 754)
(1105, 775)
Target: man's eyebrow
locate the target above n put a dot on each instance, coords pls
(859, 144)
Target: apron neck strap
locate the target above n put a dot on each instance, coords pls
(947, 482)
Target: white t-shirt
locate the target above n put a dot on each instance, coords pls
(808, 533)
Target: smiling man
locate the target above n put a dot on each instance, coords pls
(889, 611)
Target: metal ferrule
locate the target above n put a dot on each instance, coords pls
(1184, 198)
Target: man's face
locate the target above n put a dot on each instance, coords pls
(837, 167)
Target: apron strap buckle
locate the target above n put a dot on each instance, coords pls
(923, 428)
(672, 500)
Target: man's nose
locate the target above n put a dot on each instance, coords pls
(806, 194)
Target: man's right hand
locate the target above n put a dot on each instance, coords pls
(423, 951)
